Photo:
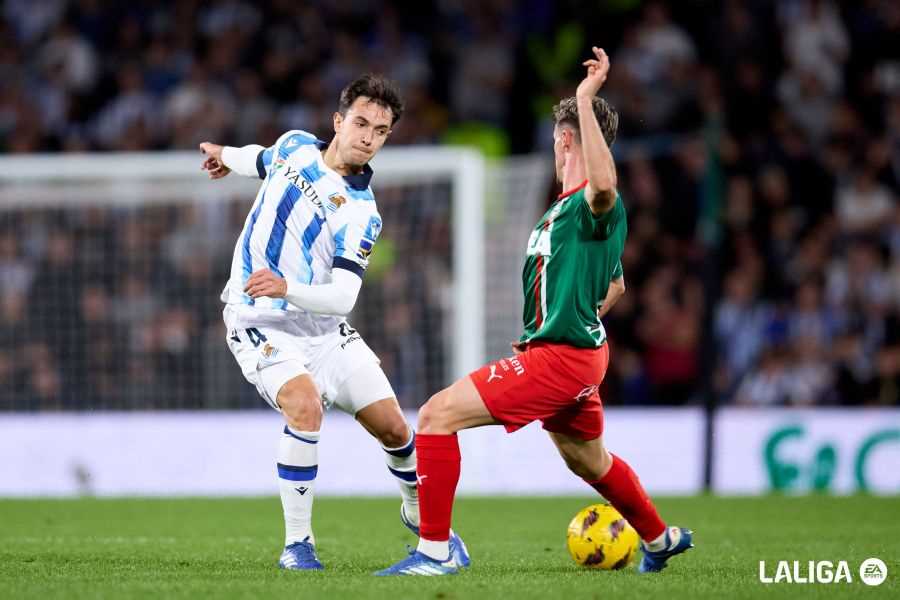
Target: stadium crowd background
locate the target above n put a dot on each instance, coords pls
(758, 151)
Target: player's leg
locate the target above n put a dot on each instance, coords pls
(298, 465)
(271, 361)
(367, 394)
(614, 479)
(452, 409)
(513, 391)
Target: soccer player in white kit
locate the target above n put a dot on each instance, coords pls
(297, 270)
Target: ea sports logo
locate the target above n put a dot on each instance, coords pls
(873, 571)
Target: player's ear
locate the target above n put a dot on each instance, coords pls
(338, 119)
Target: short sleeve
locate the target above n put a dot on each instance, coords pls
(617, 273)
(354, 239)
(601, 227)
(287, 144)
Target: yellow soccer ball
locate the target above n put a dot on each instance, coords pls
(600, 538)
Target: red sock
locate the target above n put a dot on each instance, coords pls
(624, 491)
(437, 466)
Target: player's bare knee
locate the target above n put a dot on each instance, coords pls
(301, 407)
(304, 416)
(396, 435)
(433, 416)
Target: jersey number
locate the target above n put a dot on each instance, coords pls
(255, 336)
(539, 243)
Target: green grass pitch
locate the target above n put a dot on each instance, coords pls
(228, 548)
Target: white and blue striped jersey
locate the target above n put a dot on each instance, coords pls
(307, 219)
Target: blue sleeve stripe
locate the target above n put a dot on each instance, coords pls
(292, 473)
(261, 162)
(348, 265)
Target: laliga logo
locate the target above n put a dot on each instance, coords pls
(872, 571)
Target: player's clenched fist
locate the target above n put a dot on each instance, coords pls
(266, 283)
(213, 163)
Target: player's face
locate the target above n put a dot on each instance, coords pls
(362, 131)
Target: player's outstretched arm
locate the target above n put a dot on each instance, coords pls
(335, 298)
(222, 160)
(601, 169)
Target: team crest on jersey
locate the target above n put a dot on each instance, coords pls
(335, 201)
(278, 163)
(269, 351)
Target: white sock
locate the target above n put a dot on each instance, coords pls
(436, 550)
(401, 462)
(660, 542)
(297, 469)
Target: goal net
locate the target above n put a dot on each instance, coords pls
(111, 267)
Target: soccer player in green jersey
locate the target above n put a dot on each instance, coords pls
(572, 264)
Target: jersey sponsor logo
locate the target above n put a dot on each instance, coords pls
(293, 175)
(349, 333)
(512, 363)
(493, 375)
(517, 366)
(335, 201)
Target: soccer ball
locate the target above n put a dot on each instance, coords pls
(599, 537)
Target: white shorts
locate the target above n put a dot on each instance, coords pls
(271, 355)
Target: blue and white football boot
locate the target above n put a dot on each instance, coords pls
(300, 556)
(678, 539)
(420, 564)
(458, 551)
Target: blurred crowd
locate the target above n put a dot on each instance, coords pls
(764, 246)
(758, 152)
(118, 308)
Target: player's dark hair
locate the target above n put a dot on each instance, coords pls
(378, 89)
(566, 113)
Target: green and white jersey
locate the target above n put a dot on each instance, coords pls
(571, 258)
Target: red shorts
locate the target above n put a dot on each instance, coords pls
(555, 383)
